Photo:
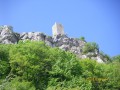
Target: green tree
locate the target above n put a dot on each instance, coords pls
(34, 66)
(113, 75)
(90, 47)
(4, 61)
(30, 60)
(95, 73)
(82, 38)
(116, 58)
(18, 84)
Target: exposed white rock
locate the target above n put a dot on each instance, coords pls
(99, 60)
(7, 36)
(84, 56)
(34, 36)
(64, 47)
(60, 40)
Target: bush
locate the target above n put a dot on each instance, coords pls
(82, 38)
(90, 47)
(17, 84)
(4, 61)
(32, 65)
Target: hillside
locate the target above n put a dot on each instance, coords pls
(35, 61)
(78, 46)
(32, 65)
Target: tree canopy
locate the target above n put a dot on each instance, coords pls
(31, 65)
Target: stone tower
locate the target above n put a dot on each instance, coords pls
(57, 29)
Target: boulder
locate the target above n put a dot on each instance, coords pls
(7, 36)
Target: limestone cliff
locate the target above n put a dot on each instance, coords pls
(7, 36)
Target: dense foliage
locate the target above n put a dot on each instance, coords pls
(35, 66)
(82, 38)
(90, 47)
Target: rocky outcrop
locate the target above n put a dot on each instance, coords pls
(34, 36)
(7, 36)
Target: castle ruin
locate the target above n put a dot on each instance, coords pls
(57, 29)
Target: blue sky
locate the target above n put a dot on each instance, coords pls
(97, 20)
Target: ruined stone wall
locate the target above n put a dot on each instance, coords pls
(57, 29)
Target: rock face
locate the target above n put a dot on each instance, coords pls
(34, 36)
(7, 36)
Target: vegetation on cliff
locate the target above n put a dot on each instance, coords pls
(31, 65)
